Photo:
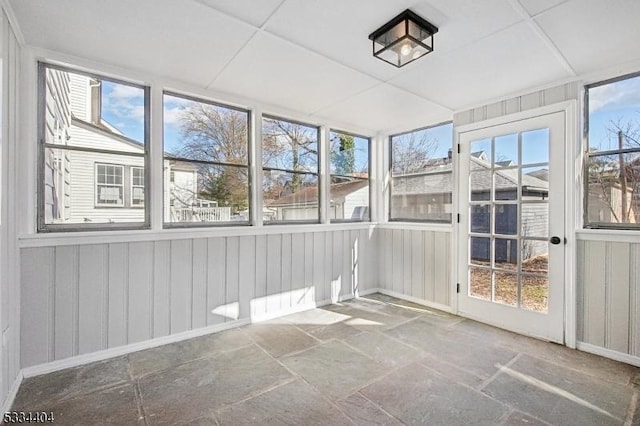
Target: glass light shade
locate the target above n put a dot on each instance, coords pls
(404, 39)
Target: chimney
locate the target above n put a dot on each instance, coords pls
(96, 101)
(449, 154)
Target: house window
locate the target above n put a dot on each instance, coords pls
(421, 175)
(206, 157)
(92, 130)
(349, 188)
(137, 186)
(290, 171)
(109, 185)
(612, 163)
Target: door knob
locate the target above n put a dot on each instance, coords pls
(555, 240)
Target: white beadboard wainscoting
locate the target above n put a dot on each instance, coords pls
(84, 298)
(608, 283)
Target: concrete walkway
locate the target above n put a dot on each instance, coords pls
(375, 360)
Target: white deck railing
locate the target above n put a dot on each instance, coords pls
(201, 214)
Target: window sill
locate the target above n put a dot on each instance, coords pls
(53, 239)
(613, 235)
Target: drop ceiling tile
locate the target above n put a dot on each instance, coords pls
(534, 7)
(510, 61)
(275, 71)
(387, 108)
(339, 29)
(161, 37)
(595, 34)
(251, 11)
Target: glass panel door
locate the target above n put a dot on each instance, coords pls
(507, 207)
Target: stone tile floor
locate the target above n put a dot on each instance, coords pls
(375, 360)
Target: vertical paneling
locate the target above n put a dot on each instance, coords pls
(181, 285)
(386, 252)
(274, 270)
(634, 299)
(286, 271)
(580, 317)
(36, 276)
(397, 262)
(297, 269)
(161, 288)
(338, 280)
(319, 262)
(92, 279)
(309, 262)
(65, 324)
(199, 294)
(617, 325)
(246, 274)
(429, 266)
(442, 249)
(117, 300)
(140, 293)
(417, 264)
(406, 262)
(233, 278)
(260, 306)
(80, 299)
(216, 280)
(594, 293)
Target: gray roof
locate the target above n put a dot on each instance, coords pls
(438, 179)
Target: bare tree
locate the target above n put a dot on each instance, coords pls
(412, 151)
(291, 147)
(615, 182)
(218, 135)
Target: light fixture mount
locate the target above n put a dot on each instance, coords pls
(403, 39)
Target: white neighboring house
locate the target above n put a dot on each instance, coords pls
(349, 200)
(86, 187)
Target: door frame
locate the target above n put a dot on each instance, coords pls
(572, 190)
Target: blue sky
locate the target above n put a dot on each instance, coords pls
(612, 102)
(123, 107)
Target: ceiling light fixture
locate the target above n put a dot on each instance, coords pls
(403, 39)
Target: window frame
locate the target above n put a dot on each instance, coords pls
(390, 196)
(97, 185)
(132, 186)
(317, 174)
(248, 166)
(42, 227)
(586, 224)
(369, 205)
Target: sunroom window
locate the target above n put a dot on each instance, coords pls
(290, 171)
(349, 181)
(422, 175)
(612, 163)
(92, 131)
(206, 163)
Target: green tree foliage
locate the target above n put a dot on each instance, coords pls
(343, 156)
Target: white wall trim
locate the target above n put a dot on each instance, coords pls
(415, 226)
(610, 235)
(13, 392)
(106, 237)
(78, 360)
(608, 353)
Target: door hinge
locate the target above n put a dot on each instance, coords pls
(457, 287)
(458, 148)
(458, 217)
